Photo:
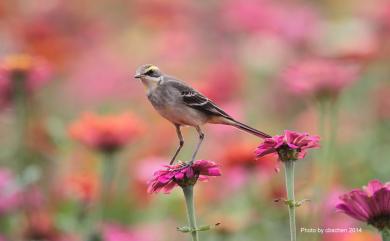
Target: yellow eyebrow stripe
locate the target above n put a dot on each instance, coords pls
(151, 68)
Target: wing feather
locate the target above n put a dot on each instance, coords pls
(196, 100)
(199, 102)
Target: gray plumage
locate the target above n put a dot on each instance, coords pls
(183, 105)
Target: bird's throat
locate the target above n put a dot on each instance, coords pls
(149, 84)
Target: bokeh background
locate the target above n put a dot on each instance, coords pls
(68, 98)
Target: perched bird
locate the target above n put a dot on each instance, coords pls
(184, 106)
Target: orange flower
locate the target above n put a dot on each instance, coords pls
(22, 72)
(105, 133)
(358, 236)
(242, 155)
(84, 186)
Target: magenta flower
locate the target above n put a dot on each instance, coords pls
(290, 146)
(319, 77)
(370, 204)
(182, 174)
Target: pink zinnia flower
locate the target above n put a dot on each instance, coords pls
(182, 174)
(370, 204)
(290, 146)
(105, 133)
(319, 77)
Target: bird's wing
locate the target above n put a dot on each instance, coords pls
(196, 100)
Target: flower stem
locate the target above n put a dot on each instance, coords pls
(107, 171)
(328, 122)
(385, 234)
(189, 197)
(107, 176)
(289, 174)
(21, 114)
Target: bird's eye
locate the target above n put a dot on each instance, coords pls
(153, 73)
(150, 72)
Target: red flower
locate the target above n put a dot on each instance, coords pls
(370, 204)
(105, 133)
(182, 174)
(290, 146)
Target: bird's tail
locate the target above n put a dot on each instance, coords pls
(249, 129)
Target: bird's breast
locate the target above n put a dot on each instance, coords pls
(171, 107)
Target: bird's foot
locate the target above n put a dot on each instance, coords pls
(190, 162)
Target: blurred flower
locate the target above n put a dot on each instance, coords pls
(110, 82)
(182, 38)
(112, 232)
(142, 171)
(32, 72)
(23, 66)
(241, 155)
(10, 193)
(370, 204)
(82, 186)
(358, 236)
(159, 13)
(270, 17)
(290, 146)
(182, 174)
(319, 77)
(349, 39)
(105, 133)
(40, 226)
(329, 217)
(223, 80)
(382, 16)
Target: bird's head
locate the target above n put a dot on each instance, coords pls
(149, 74)
(147, 71)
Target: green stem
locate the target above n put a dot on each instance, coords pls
(21, 115)
(98, 215)
(189, 197)
(289, 174)
(385, 234)
(333, 130)
(107, 175)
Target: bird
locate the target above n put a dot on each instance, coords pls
(182, 105)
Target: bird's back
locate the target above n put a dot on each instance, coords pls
(167, 99)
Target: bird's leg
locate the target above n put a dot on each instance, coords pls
(181, 143)
(201, 137)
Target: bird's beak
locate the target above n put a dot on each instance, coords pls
(137, 76)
